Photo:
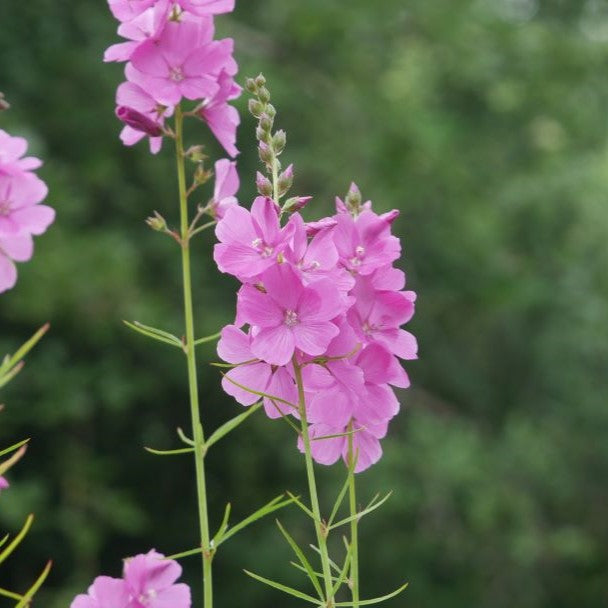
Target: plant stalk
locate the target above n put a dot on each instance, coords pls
(312, 488)
(354, 524)
(190, 350)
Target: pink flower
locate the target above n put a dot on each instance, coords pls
(13, 249)
(226, 186)
(105, 592)
(289, 315)
(250, 241)
(235, 347)
(125, 10)
(365, 243)
(183, 62)
(11, 151)
(150, 582)
(141, 114)
(207, 7)
(222, 118)
(3, 484)
(20, 212)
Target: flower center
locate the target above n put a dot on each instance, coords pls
(367, 328)
(291, 318)
(176, 74)
(262, 248)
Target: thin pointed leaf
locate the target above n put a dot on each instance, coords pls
(11, 360)
(155, 334)
(10, 594)
(13, 447)
(232, 424)
(319, 575)
(283, 588)
(331, 562)
(347, 434)
(25, 600)
(185, 553)
(302, 506)
(274, 505)
(183, 437)
(360, 514)
(4, 539)
(15, 542)
(343, 574)
(300, 555)
(208, 339)
(341, 495)
(7, 464)
(169, 452)
(223, 526)
(6, 377)
(375, 600)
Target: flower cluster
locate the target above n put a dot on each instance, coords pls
(21, 214)
(148, 582)
(326, 297)
(171, 55)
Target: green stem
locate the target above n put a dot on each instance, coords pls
(190, 350)
(354, 524)
(320, 529)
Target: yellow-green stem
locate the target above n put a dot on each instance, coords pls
(312, 488)
(354, 524)
(190, 349)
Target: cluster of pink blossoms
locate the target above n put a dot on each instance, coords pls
(171, 55)
(326, 293)
(21, 214)
(148, 582)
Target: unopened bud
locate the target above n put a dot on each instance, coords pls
(285, 180)
(266, 122)
(264, 94)
(201, 176)
(138, 121)
(196, 154)
(265, 153)
(157, 222)
(279, 139)
(256, 107)
(262, 135)
(353, 198)
(251, 86)
(263, 184)
(296, 203)
(260, 81)
(270, 110)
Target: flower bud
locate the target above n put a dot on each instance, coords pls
(202, 176)
(296, 203)
(266, 122)
(279, 140)
(262, 135)
(260, 81)
(256, 107)
(270, 110)
(265, 153)
(264, 94)
(251, 86)
(285, 180)
(353, 199)
(196, 154)
(138, 121)
(263, 184)
(157, 222)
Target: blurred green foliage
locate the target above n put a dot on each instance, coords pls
(484, 122)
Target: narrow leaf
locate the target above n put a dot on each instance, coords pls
(274, 505)
(183, 437)
(10, 594)
(360, 514)
(300, 555)
(260, 394)
(341, 494)
(7, 376)
(283, 588)
(25, 600)
(13, 448)
(223, 526)
(343, 574)
(7, 464)
(331, 562)
(10, 361)
(232, 424)
(376, 600)
(208, 338)
(169, 452)
(15, 542)
(155, 334)
(302, 506)
(185, 553)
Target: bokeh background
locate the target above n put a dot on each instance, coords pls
(485, 123)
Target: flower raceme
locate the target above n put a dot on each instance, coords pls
(21, 214)
(172, 56)
(148, 582)
(327, 294)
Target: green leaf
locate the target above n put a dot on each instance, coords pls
(12, 365)
(169, 452)
(25, 600)
(302, 506)
(223, 526)
(343, 574)
(185, 439)
(331, 562)
(10, 594)
(155, 334)
(15, 542)
(260, 394)
(208, 338)
(232, 424)
(341, 494)
(274, 505)
(7, 464)
(283, 588)
(300, 555)
(372, 507)
(13, 448)
(185, 553)
(375, 600)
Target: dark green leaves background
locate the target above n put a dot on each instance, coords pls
(484, 122)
